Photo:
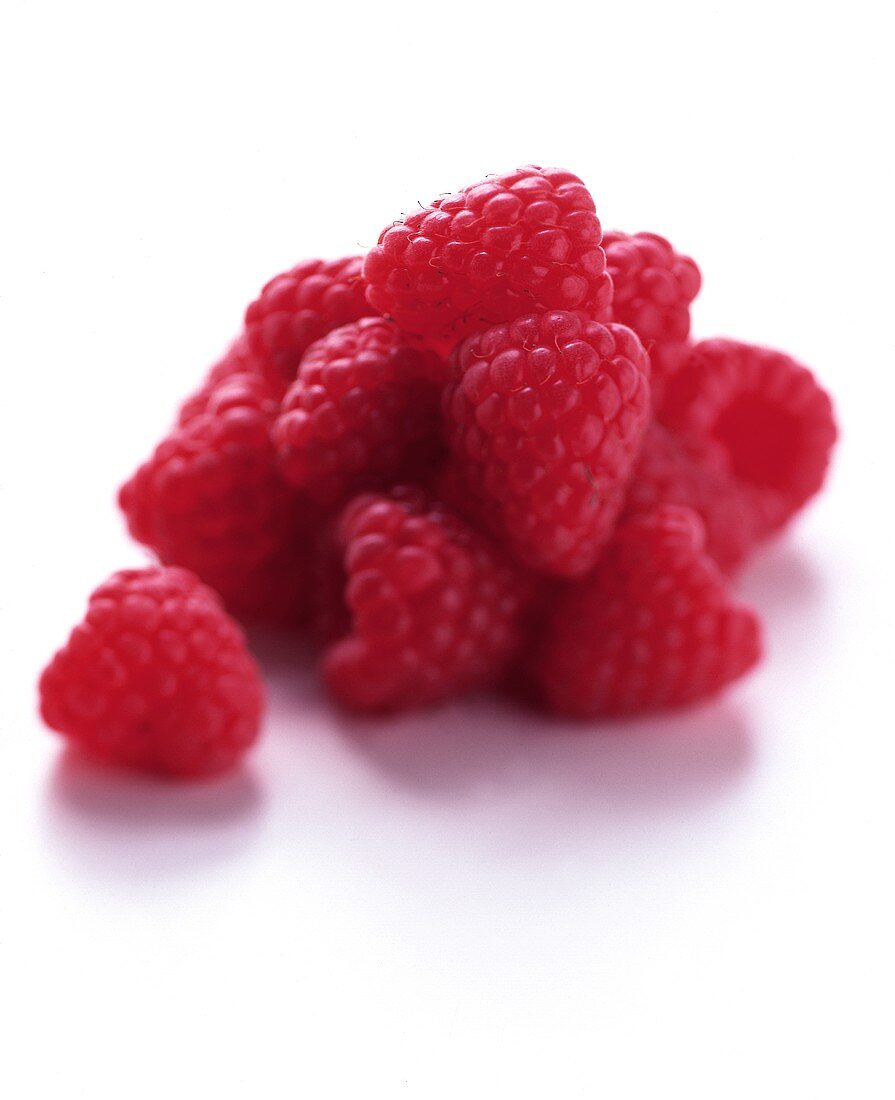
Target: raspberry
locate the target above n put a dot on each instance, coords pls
(211, 499)
(237, 360)
(675, 470)
(429, 607)
(506, 246)
(298, 307)
(362, 414)
(545, 417)
(652, 627)
(653, 287)
(156, 677)
(762, 417)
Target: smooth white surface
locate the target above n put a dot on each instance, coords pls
(465, 903)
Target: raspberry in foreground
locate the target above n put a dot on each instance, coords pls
(429, 608)
(298, 307)
(511, 244)
(545, 417)
(156, 677)
(652, 627)
(362, 414)
(762, 416)
(652, 288)
(211, 499)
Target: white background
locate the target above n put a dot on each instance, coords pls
(470, 903)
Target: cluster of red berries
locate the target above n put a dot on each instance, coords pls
(487, 453)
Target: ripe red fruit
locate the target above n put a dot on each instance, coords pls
(678, 470)
(156, 677)
(298, 307)
(652, 288)
(210, 499)
(545, 417)
(428, 607)
(759, 415)
(511, 244)
(362, 414)
(652, 627)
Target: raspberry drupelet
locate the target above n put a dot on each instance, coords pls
(545, 418)
(511, 244)
(363, 413)
(652, 288)
(156, 677)
(211, 499)
(652, 627)
(429, 607)
(298, 307)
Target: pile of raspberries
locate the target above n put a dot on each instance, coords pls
(487, 453)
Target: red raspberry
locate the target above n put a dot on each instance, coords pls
(652, 627)
(653, 287)
(762, 417)
(237, 360)
(300, 306)
(545, 417)
(362, 414)
(430, 608)
(676, 470)
(211, 499)
(500, 248)
(156, 677)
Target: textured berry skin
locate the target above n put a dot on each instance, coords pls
(653, 287)
(511, 244)
(682, 471)
(156, 677)
(652, 627)
(362, 414)
(429, 609)
(300, 306)
(544, 418)
(210, 499)
(760, 416)
(237, 360)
